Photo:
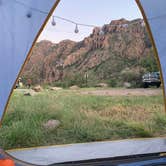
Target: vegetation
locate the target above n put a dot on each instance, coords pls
(149, 63)
(115, 72)
(78, 79)
(83, 118)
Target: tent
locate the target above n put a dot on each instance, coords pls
(23, 21)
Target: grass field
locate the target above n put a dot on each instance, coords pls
(83, 118)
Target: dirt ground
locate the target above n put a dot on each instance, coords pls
(114, 92)
(124, 92)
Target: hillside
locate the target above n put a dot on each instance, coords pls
(115, 55)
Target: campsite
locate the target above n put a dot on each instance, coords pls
(82, 83)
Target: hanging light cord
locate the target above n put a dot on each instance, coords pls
(46, 13)
(71, 21)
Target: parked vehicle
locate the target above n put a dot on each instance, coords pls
(151, 79)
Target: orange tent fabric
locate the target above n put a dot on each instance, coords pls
(6, 162)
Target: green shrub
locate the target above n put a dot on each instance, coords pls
(112, 83)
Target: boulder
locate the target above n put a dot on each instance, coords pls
(102, 85)
(51, 124)
(74, 87)
(38, 88)
(55, 88)
(127, 85)
(29, 93)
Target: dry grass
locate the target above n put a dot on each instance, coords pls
(83, 118)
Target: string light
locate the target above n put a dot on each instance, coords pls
(76, 29)
(53, 21)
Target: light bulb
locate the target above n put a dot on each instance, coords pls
(76, 29)
(53, 21)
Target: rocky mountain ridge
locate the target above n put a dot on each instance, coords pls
(108, 50)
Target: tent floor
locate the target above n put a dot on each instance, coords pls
(88, 151)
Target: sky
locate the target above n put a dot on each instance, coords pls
(96, 12)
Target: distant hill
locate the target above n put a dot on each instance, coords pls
(117, 54)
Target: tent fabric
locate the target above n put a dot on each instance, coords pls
(4, 160)
(155, 12)
(20, 24)
(49, 155)
(7, 162)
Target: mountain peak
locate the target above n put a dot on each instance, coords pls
(119, 22)
(118, 40)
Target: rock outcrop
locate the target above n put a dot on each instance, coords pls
(120, 40)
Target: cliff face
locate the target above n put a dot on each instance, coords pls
(107, 48)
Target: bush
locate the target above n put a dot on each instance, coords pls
(112, 83)
(149, 63)
(77, 79)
